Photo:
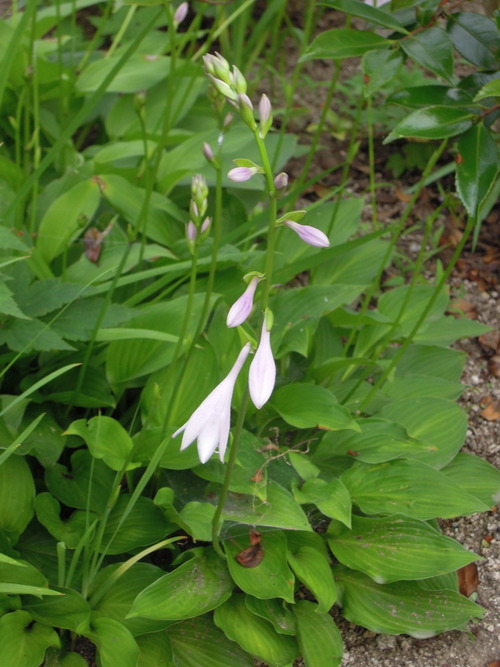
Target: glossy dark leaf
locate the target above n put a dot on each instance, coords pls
(477, 166)
(418, 97)
(431, 48)
(436, 122)
(343, 43)
(476, 38)
(366, 12)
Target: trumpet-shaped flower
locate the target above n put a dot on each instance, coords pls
(309, 234)
(240, 174)
(210, 422)
(242, 307)
(262, 374)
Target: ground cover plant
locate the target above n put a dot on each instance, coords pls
(218, 418)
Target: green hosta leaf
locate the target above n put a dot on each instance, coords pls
(66, 218)
(380, 440)
(21, 573)
(319, 638)
(117, 601)
(408, 487)
(195, 587)
(94, 391)
(366, 12)
(271, 577)
(392, 302)
(331, 498)
(254, 634)
(431, 48)
(115, 644)
(419, 386)
(476, 476)
(144, 524)
(380, 67)
(106, 439)
(155, 649)
(54, 658)
(403, 607)
(343, 43)
(211, 648)
(439, 424)
(280, 510)
(396, 548)
(442, 582)
(87, 484)
(17, 491)
(309, 560)
(310, 406)
(140, 72)
(476, 38)
(275, 611)
(436, 122)
(66, 611)
(431, 360)
(477, 166)
(69, 531)
(430, 95)
(23, 642)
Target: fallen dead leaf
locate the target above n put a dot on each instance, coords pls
(490, 341)
(494, 365)
(462, 307)
(468, 579)
(490, 409)
(253, 555)
(495, 663)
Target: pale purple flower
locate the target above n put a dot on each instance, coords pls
(242, 308)
(244, 100)
(309, 234)
(240, 174)
(262, 374)
(210, 422)
(207, 151)
(205, 225)
(181, 13)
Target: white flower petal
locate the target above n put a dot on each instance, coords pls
(262, 374)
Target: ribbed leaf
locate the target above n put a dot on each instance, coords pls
(319, 638)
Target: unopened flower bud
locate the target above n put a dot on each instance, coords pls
(205, 225)
(308, 234)
(181, 13)
(208, 153)
(241, 174)
(246, 111)
(239, 81)
(227, 120)
(265, 115)
(281, 181)
(191, 231)
(242, 307)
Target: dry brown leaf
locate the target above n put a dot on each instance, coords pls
(403, 196)
(495, 663)
(463, 307)
(490, 341)
(494, 365)
(258, 477)
(467, 579)
(491, 409)
(253, 555)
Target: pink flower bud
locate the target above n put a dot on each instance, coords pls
(191, 231)
(181, 13)
(205, 225)
(240, 174)
(308, 234)
(262, 373)
(244, 99)
(264, 109)
(208, 152)
(242, 308)
(281, 181)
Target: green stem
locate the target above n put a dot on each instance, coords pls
(216, 525)
(371, 162)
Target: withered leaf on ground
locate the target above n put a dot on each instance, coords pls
(494, 365)
(468, 579)
(490, 409)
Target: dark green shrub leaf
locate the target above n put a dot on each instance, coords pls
(211, 648)
(490, 89)
(271, 577)
(476, 38)
(431, 48)
(343, 43)
(409, 487)
(418, 97)
(193, 588)
(437, 122)
(366, 12)
(396, 548)
(23, 642)
(319, 638)
(310, 562)
(254, 634)
(380, 67)
(403, 607)
(477, 166)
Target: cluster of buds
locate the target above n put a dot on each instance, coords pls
(232, 86)
(199, 224)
